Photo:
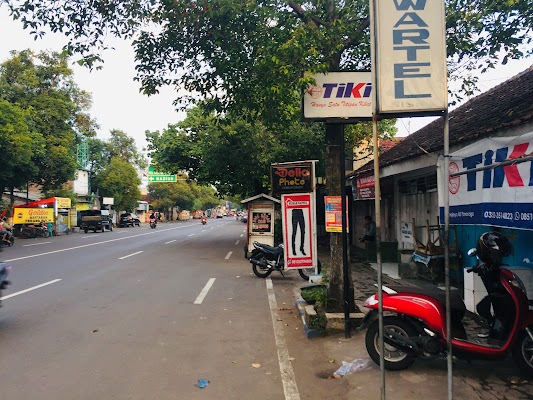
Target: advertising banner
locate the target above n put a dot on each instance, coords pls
(298, 226)
(291, 178)
(339, 95)
(489, 194)
(261, 222)
(32, 215)
(334, 213)
(365, 189)
(63, 202)
(410, 56)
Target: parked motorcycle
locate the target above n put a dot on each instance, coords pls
(265, 259)
(153, 223)
(204, 220)
(4, 272)
(418, 326)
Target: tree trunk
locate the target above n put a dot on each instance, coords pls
(336, 298)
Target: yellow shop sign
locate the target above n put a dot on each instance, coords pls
(63, 202)
(33, 215)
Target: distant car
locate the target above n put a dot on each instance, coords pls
(129, 219)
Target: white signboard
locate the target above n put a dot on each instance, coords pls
(298, 230)
(339, 95)
(500, 196)
(410, 56)
(407, 232)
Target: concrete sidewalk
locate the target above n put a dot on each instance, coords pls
(425, 379)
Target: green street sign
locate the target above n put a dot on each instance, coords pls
(162, 178)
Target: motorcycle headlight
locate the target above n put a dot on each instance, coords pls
(371, 301)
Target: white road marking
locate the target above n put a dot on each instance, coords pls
(35, 244)
(94, 244)
(170, 241)
(237, 242)
(204, 291)
(192, 234)
(130, 255)
(242, 234)
(228, 255)
(29, 289)
(287, 373)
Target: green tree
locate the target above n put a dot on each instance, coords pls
(42, 85)
(118, 145)
(120, 180)
(19, 146)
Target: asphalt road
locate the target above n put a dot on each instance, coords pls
(144, 314)
(139, 314)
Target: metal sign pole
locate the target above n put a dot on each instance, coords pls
(345, 266)
(377, 195)
(446, 193)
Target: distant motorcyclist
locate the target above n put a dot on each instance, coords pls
(153, 219)
(5, 230)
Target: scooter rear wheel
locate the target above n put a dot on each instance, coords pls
(523, 353)
(395, 359)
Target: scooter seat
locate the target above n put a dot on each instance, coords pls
(456, 302)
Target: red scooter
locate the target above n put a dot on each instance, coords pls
(418, 326)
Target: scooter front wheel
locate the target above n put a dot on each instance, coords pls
(523, 353)
(305, 272)
(395, 358)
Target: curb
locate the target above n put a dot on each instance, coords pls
(305, 310)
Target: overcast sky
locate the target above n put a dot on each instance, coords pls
(117, 103)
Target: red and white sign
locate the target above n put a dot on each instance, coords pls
(365, 188)
(298, 225)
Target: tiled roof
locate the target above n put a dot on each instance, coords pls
(506, 105)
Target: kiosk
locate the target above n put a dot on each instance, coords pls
(260, 225)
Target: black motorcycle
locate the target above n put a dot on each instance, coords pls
(265, 259)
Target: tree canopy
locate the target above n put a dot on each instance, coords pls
(253, 52)
(120, 181)
(44, 113)
(200, 146)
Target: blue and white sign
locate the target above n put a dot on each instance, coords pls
(408, 37)
(494, 196)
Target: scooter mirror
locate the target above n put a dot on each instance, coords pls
(472, 252)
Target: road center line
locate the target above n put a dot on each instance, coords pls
(192, 234)
(35, 244)
(29, 289)
(130, 255)
(94, 244)
(204, 291)
(237, 242)
(287, 373)
(228, 255)
(170, 241)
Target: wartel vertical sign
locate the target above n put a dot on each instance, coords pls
(410, 55)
